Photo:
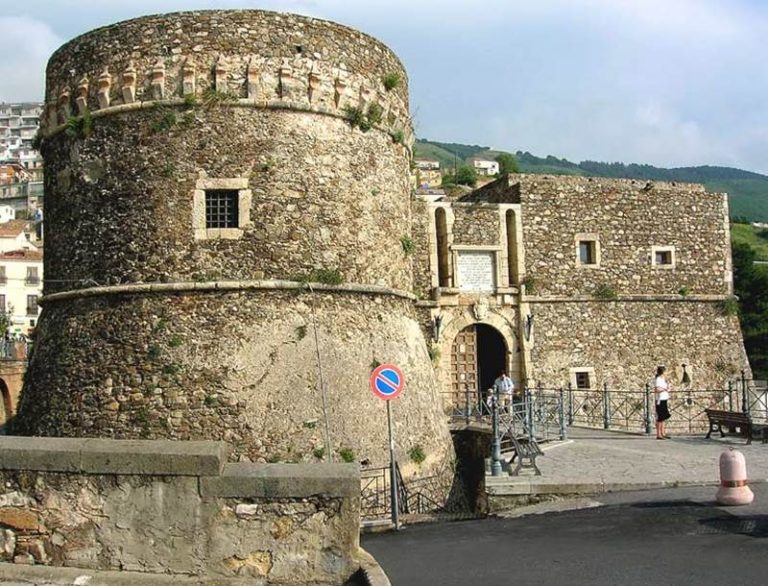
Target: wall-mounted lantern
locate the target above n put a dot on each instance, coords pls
(437, 323)
(686, 380)
(528, 327)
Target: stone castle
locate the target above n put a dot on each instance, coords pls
(233, 246)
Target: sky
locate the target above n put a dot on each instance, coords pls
(665, 82)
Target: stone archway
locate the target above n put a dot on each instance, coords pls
(489, 344)
(6, 405)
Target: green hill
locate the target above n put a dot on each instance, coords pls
(748, 191)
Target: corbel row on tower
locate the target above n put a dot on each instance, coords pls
(261, 81)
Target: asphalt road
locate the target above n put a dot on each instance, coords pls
(676, 536)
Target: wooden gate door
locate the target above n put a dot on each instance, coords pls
(464, 367)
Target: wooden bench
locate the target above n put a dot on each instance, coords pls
(526, 451)
(734, 420)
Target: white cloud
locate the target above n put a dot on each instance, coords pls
(25, 45)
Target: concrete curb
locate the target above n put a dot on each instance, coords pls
(576, 487)
(18, 575)
(372, 570)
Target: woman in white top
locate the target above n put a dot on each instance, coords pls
(661, 388)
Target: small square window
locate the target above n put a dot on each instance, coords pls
(587, 252)
(221, 208)
(582, 381)
(663, 257)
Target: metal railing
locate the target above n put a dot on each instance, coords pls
(14, 349)
(537, 413)
(545, 413)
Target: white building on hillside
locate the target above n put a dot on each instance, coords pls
(21, 276)
(485, 167)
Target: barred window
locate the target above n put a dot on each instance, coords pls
(221, 208)
(582, 380)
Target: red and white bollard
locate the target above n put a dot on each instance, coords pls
(733, 480)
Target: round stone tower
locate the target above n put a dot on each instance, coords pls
(227, 240)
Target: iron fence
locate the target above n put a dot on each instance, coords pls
(545, 413)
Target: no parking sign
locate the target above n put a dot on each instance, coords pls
(387, 382)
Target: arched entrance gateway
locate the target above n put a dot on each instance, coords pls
(478, 354)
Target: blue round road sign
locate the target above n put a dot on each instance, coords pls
(387, 381)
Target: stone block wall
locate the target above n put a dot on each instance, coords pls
(175, 508)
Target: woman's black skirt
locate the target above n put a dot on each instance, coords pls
(662, 411)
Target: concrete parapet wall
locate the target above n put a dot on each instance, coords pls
(165, 507)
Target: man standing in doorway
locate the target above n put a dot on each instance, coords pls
(504, 387)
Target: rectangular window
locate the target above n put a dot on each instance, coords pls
(663, 257)
(3, 277)
(33, 278)
(587, 252)
(582, 381)
(31, 304)
(221, 208)
(2, 303)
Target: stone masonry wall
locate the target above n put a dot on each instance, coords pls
(239, 367)
(476, 224)
(624, 342)
(325, 196)
(628, 217)
(423, 247)
(175, 508)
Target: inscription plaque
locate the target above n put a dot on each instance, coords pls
(476, 270)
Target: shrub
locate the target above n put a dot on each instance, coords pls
(154, 351)
(213, 97)
(325, 276)
(683, 291)
(80, 127)
(530, 284)
(175, 341)
(605, 292)
(729, 306)
(391, 81)
(416, 454)
(347, 455)
(318, 453)
(407, 244)
(397, 136)
(375, 113)
(354, 116)
(163, 122)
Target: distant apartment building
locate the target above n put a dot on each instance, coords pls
(21, 166)
(428, 175)
(21, 275)
(18, 127)
(485, 167)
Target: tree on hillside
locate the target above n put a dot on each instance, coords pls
(466, 175)
(751, 286)
(507, 164)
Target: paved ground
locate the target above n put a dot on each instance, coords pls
(672, 536)
(615, 461)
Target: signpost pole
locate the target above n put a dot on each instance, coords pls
(392, 472)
